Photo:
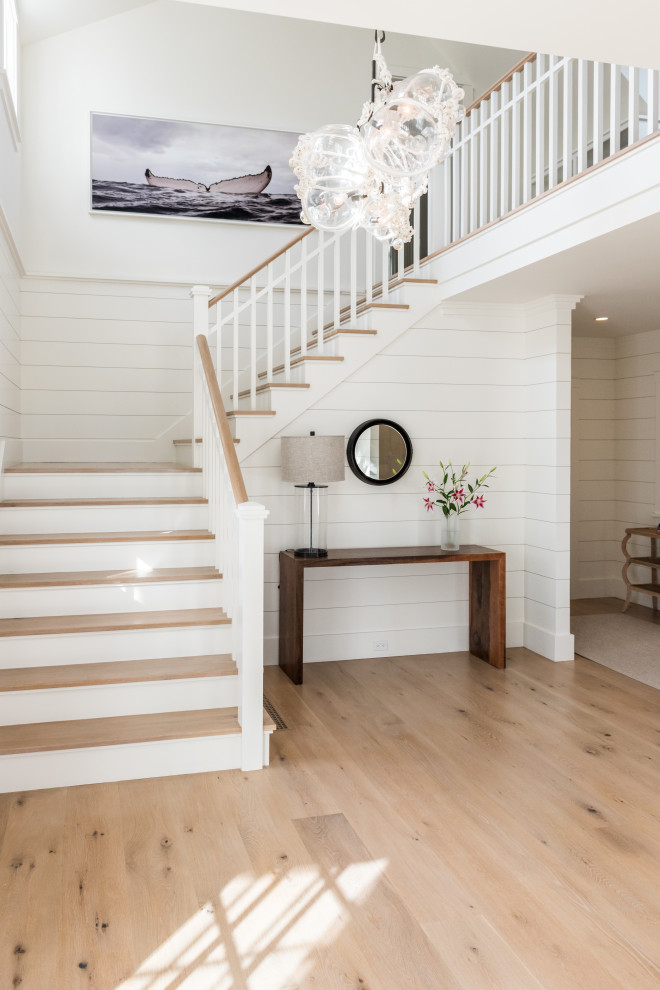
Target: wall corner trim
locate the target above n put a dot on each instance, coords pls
(6, 232)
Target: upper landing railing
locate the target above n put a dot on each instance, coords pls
(544, 124)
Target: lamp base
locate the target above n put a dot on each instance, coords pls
(310, 552)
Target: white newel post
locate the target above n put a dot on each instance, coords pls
(249, 646)
(200, 295)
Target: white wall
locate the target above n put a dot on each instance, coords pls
(471, 383)
(10, 267)
(615, 457)
(182, 62)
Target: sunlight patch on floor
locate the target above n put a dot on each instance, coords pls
(260, 933)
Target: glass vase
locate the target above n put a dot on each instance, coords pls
(451, 537)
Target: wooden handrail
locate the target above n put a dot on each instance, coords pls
(233, 467)
(507, 77)
(264, 264)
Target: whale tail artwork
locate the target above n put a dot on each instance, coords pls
(242, 185)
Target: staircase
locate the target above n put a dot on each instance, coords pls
(116, 654)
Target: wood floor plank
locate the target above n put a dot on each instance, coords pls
(444, 799)
(119, 672)
(52, 625)
(69, 579)
(134, 536)
(394, 945)
(96, 944)
(31, 907)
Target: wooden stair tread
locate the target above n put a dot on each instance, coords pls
(119, 730)
(264, 388)
(50, 625)
(301, 360)
(36, 503)
(146, 536)
(115, 672)
(250, 412)
(99, 467)
(68, 579)
(198, 440)
(647, 561)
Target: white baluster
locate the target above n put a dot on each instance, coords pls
(568, 120)
(368, 266)
(269, 323)
(417, 226)
(494, 155)
(516, 151)
(465, 183)
(455, 202)
(582, 114)
(652, 101)
(218, 340)
(553, 121)
(484, 158)
(633, 105)
(541, 67)
(353, 278)
(447, 171)
(505, 138)
(597, 114)
(615, 109)
(235, 360)
(475, 120)
(336, 283)
(303, 297)
(527, 129)
(287, 317)
(385, 281)
(320, 317)
(253, 342)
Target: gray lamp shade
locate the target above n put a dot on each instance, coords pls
(312, 459)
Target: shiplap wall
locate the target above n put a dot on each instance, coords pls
(469, 383)
(615, 456)
(10, 346)
(106, 369)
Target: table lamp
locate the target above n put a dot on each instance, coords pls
(309, 462)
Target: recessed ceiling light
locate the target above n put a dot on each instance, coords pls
(600, 319)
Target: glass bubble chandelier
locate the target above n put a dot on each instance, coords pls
(371, 175)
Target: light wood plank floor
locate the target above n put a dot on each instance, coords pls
(427, 823)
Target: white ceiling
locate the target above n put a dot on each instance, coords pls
(616, 273)
(607, 30)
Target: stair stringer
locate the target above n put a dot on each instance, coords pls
(254, 431)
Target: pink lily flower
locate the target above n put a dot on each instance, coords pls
(429, 504)
(430, 486)
(458, 495)
(479, 501)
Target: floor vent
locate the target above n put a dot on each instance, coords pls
(274, 714)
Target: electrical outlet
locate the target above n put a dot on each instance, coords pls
(380, 645)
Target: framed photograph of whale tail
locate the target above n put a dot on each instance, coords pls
(171, 168)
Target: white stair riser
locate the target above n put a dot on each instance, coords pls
(175, 484)
(104, 701)
(102, 519)
(124, 644)
(135, 761)
(86, 600)
(40, 558)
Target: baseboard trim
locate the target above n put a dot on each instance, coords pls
(558, 648)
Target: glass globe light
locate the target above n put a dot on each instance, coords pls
(399, 138)
(332, 169)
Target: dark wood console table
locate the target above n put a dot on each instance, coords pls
(487, 595)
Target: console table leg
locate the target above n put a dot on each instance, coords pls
(292, 589)
(488, 611)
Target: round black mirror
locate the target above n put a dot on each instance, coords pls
(379, 452)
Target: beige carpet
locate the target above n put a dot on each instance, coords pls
(620, 642)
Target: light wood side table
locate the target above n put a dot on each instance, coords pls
(653, 562)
